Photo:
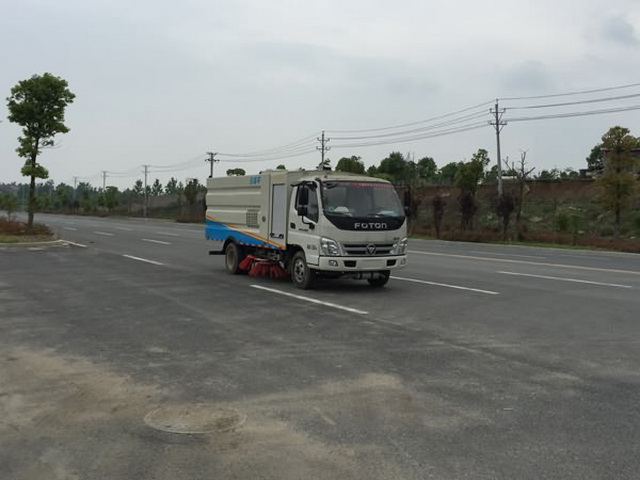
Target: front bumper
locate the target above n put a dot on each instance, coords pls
(360, 264)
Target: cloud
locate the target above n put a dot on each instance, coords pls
(619, 30)
(530, 77)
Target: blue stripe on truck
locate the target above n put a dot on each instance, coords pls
(215, 230)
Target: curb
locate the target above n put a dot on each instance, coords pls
(48, 243)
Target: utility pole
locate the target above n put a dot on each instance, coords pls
(212, 160)
(146, 197)
(323, 148)
(104, 184)
(498, 124)
(75, 189)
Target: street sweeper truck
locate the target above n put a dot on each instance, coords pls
(307, 224)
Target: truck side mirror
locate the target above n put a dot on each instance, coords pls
(302, 210)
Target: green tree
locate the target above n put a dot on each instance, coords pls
(236, 172)
(569, 174)
(111, 195)
(618, 179)
(64, 194)
(447, 174)
(138, 188)
(8, 203)
(594, 160)
(469, 174)
(553, 174)
(191, 191)
(427, 169)
(351, 164)
(468, 177)
(395, 167)
(281, 167)
(171, 187)
(156, 188)
(38, 105)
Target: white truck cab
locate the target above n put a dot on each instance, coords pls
(316, 223)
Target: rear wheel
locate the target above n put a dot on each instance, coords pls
(381, 280)
(233, 255)
(303, 277)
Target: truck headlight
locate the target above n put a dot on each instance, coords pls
(329, 247)
(400, 247)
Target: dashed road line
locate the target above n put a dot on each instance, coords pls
(563, 279)
(167, 234)
(445, 285)
(70, 228)
(106, 234)
(311, 300)
(145, 260)
(507, 254)
(159, 242)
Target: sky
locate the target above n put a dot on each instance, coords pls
(161, 83)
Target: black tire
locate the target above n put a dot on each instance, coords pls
(233, 255)
(302, 276)
(380, 281)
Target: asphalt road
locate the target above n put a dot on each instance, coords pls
(130, 354)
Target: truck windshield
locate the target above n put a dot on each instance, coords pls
(361, 199)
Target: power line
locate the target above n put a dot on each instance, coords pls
(471, 116)
(272, 151)
(271, 157)
(442, 133)
(575, 114)
(583, 92)
(578, 102)
(419, 122)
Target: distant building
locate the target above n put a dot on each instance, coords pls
(595, 172)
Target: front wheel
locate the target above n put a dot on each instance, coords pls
(232, 258)
(381, 280)
(302, 276)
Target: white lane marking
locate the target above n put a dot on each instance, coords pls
(457, 287)
(106, 234)
(160, 242)
(125, 229)
(325, 417)
(524, 262)
(506, 254)
(75, 244)
(167, 234)
(152, 262)
(312, 300)
(574, 280)
(70, 228)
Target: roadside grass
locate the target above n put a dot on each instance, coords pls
(12, 231)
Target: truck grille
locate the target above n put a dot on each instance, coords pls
(362, 250)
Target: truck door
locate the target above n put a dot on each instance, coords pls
(278, 211)
(303, 228)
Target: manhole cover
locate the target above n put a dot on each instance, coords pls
(198, 418)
